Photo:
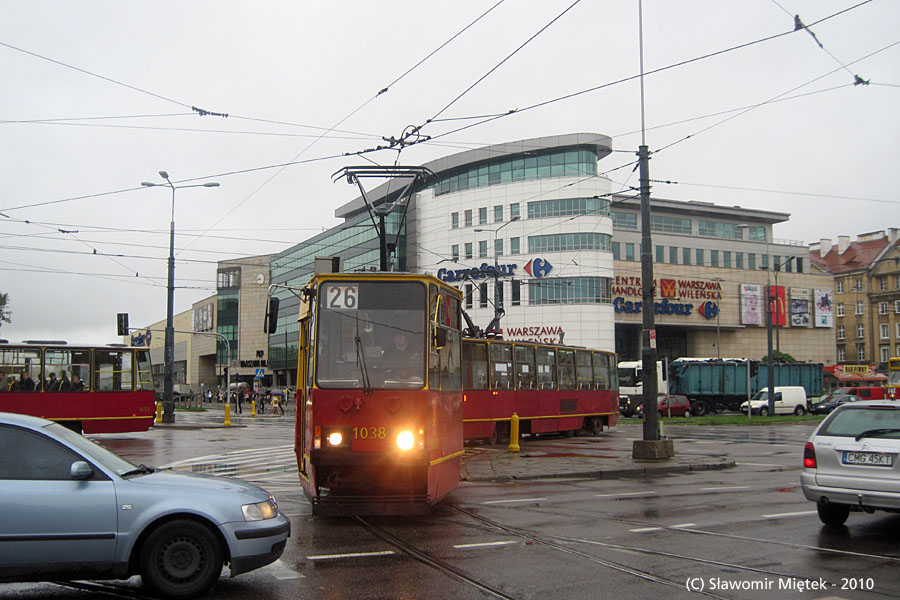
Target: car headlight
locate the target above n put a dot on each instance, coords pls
(267, 509)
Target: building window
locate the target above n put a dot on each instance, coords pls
(629, 251)
(482, 216)
(841, 332)
(569, 206)
(897, 287)
(482, 249)
(860, 352)
(468, 218)
(498, 214)
(859, 307)
(756, 233)
(714, 258)
(454, 220)
(561, 242)
(616, 252)
(882, 284)
(498, 247)
(673, 255)
(516, 292)
(229, 279)
(860, 331)
(699, 255)
(514, 210)
(514, 245)
(897, 306)
(726, 259)
(859, 285)
(897, 335)
(764, 262)
(720, 230)
(670, 225)
(660, 254)
(685, 256)
(624, 220)
(883, 308)
(842, 354)
(839, 309)
(840, 287)
(738, 260)
(885, 353)
(751, 262)
(468, 249)
(799, 263)
(884, 331)
(482, 295)
(454, 250)
(570, 290)
(469, 292)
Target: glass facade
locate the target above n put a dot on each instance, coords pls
(560, 242)
(568, 206)
(556, 162)
(624, 220)
(729, 231)
(570, 290)
(670, 225)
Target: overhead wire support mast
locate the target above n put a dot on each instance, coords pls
(415, 175)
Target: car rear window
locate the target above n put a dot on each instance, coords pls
(850, 421)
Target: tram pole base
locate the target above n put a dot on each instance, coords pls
(653, 449)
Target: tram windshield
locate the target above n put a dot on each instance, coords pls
(371, 335)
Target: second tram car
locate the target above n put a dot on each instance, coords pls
(551, 388)
(379, 393)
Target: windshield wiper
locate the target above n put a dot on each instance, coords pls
(872, 432)
(141, 470)
(361, 362)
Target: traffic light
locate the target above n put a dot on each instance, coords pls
(122, 324)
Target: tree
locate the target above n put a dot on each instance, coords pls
(5, 313)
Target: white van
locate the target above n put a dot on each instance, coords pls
(789, 399)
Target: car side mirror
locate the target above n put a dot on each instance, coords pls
(80, 470)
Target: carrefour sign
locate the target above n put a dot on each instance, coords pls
(536, 267)
(707, 310)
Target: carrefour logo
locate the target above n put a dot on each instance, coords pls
(538, 267)
(708, 310)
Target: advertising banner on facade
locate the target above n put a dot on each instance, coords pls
(822, 300)
(202, 317)
(751, 304)
(779, 306)
(800, 307)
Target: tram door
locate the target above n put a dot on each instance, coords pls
(305, 354)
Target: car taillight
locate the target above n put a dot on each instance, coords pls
(809, 456)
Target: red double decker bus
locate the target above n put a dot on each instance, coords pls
(89, 389)
(551, 388)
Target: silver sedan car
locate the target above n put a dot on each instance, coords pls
(74, 510)
(852, 461)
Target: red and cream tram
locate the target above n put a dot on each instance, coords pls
(551, 388)
(379, 419)
(90, 389)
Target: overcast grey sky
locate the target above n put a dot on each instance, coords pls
(299, 82)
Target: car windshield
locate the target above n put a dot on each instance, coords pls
(92, 451)
(852, 420)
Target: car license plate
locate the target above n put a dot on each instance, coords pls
(875, 459)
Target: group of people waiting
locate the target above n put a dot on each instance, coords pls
(9, 383)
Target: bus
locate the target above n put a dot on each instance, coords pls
(551, 388)
(893, 381)
(379, 392)
(89, 389)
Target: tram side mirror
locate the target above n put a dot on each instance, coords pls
(271, 321)
(440, 337)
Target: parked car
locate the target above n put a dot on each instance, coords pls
(672, 405)
(74, 510)
(789, 399)
(830, 403)
(851, 461)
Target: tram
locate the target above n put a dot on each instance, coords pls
(892, 388)
(551, 388)
(379, 392)
(89, 389)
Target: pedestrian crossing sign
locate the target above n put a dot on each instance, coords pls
(260, 373)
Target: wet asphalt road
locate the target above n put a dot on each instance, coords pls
(745, 532)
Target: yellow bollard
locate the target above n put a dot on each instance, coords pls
(253, 408)
(227, 415)
(158, 412)
(514, 433)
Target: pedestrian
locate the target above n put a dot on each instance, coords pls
(64, 384)
(277, 405)
(26, 383)
(52, 383)
(4, 381)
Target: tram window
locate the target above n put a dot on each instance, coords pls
(583, 370)
(566, 360)
(601, 371)
(501, 366)
(68, 361)
(144, 379)
(112, 370)
(475, 359)
(546, 368)
(525, 367)
(451, 377)
(13, 361)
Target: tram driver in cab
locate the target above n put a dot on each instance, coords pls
(400, 358)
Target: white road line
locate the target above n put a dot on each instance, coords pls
(741, 464)
(719, 489)
(483, 544)
(279, 570)
(801, 513)
(350, 555)
(626, 494)
(682, 525)
(510, 501)
(643, 529)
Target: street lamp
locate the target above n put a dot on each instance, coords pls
(778, 268)
(719, 281)
(769, 367)
(498, 302)
(168, 400)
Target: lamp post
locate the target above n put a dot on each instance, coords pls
(778, 268)
(498, 302)
(719, 281)
(770, 383)
(168, 383)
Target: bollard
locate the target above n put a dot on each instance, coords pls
(514, 433)
(227, 415)
(253, 408)
(158, 413)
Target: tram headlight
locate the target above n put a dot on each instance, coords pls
(405, 440)
(335, 438)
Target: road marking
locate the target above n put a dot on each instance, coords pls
(350, 555)
(682, 525)
(622, 495)
(790, 514)
(482, 544)
(643, 529)
(736, 487)
(509, 501)
(758, 464)
(280, 570)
